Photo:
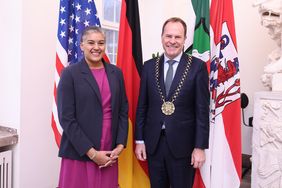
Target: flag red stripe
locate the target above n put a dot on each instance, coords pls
(56, 132)
(55, 93)
(129, 70)
(59, 65)
(222, 11)
(228, 16)
(106, 58)
(216, 19)
(231, 118)
(128, 63)
(198, 181)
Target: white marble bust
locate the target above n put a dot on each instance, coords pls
(271, 18)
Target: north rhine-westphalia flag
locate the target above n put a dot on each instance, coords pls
(200, 48)
(74, 16)
(132, 173)
(223, 166)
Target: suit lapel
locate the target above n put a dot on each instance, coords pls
(178, 74)
(87, 75)
(161, 73)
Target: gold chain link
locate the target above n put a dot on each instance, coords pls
(180, 84)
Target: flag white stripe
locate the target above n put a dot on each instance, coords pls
(57, 78)
(223, 171)
(62, 54)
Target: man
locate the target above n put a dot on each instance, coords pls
(172, 118)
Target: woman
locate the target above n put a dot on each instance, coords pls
(93, 112)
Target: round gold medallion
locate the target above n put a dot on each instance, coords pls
(168, 108)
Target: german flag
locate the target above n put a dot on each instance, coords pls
(132, 173)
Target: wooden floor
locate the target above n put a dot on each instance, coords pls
(246, 172)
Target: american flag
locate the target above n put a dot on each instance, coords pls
(74, 16)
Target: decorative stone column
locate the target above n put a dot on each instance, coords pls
(267, 140)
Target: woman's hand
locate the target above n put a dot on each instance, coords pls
(102, 158)
(105, 158)
(113, 156)
(117, 151)
(99, 157)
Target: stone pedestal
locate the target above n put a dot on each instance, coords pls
(267, 140)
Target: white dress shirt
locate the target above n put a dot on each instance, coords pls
(175, 65)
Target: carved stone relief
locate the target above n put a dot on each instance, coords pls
(267, 141)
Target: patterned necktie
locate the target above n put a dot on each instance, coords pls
(169, 76)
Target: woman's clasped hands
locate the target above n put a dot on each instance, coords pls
(105, 158)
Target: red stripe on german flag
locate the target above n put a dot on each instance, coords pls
(131, 172)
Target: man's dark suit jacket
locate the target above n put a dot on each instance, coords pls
(80, 110)
(188, 127)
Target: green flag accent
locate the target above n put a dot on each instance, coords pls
(201, 49)
(201, 41)
(201, 38)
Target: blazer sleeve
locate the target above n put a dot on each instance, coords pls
(202, 107)
(142, 105)
(66, 112)
(123, 115)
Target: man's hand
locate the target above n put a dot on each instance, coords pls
(140, 152)
(198, 158)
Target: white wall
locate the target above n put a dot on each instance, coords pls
(37, 145)
(26, 79)
(254, 44)
(27, 75)
(10, 68)
(151, 26)
(10, 64)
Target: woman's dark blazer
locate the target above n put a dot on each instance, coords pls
(80, 110)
